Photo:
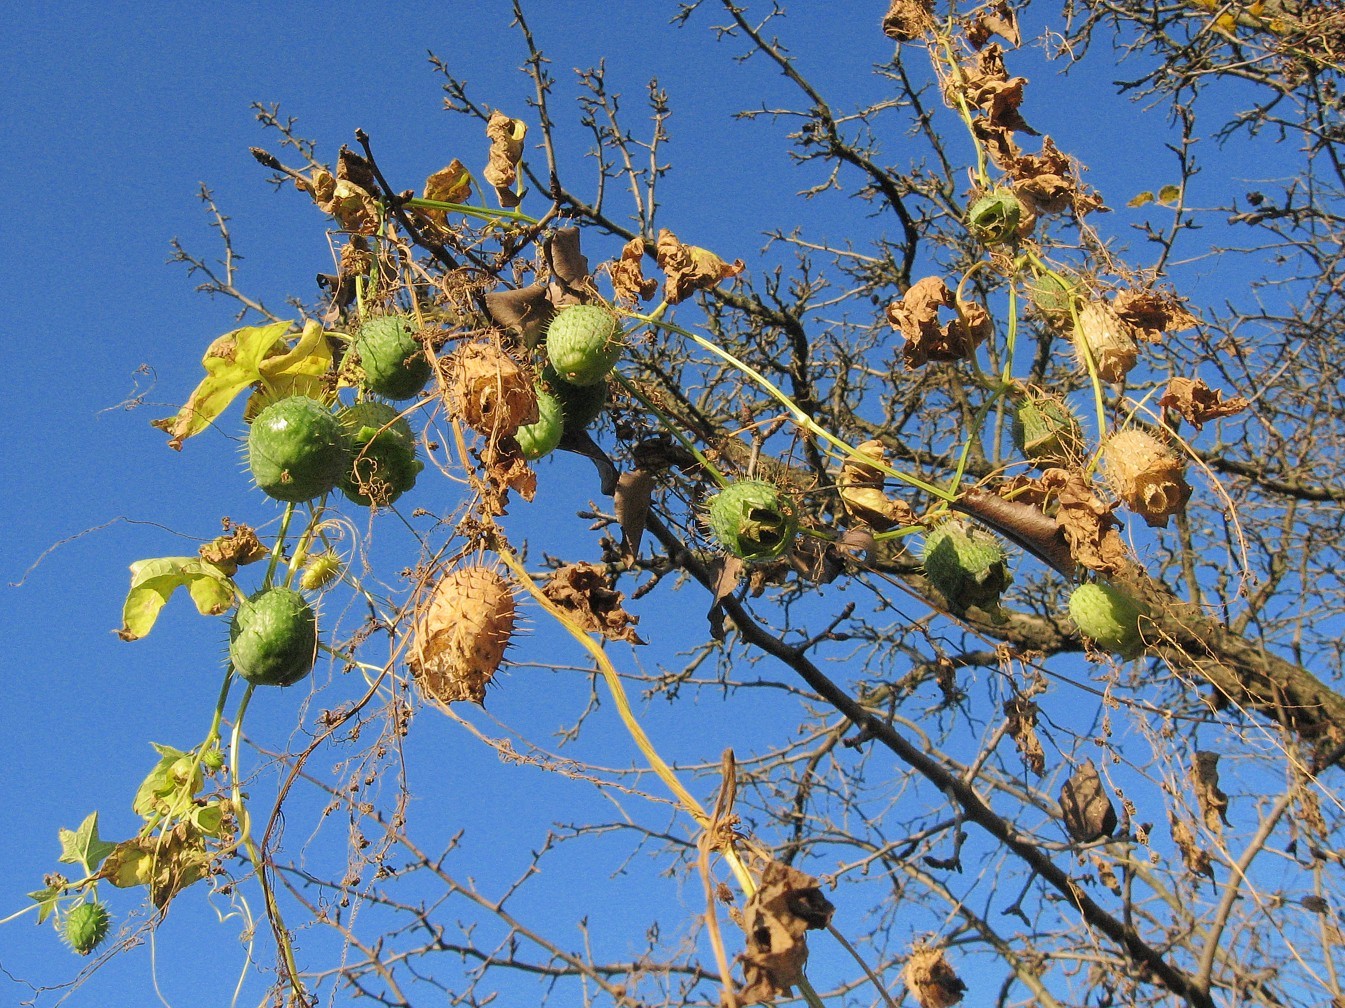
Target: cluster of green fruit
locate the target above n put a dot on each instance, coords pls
(583, 344)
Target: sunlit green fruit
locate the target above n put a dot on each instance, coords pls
(583, 343)
(968, 566)
(85, 926)
(995, 216)
(752, 520)
(1046, 431)
(580, 405)
(383, 462)
(273, 640)
(394, 362)
(540, 438)
(1108, 617)
(296, 450)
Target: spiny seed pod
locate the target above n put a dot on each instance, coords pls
(85, 926)
(489, 390)
(273, 640)
(460, 633)
(1053, 296)
(540, 438)
(1107, 617)
(1107, 339)
(296, 450)
(583, 343)
(994, 217)
(752, 520)
(1046, 430)
(580, 405)
(1146, 475)
(394, 362)
(968, 567)
(383, 463)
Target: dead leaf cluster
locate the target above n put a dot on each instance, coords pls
(916, 317)
(786, 904)
(584, 592)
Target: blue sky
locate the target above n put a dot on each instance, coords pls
(114, 114)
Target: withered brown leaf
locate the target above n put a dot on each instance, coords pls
(627, 273)
(1198, 403)
(1087, 811)
(450, 184)
(916, 317)
(1152, 313)
(236, 549)
(583, 591)
(689, 268)
(1205, 780)
(1194, 856)
(787, 903)
(860, 485)
(506, 149)
(633, 491)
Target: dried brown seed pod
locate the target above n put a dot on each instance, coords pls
(1146, 475)
(931, 979)
(461, 630)
(489, 390)
(1105, 337)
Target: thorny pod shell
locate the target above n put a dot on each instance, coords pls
(489, 390)
(1146, 475)
(580, 405)
(995, 216)
(968, 567)
(460, 633)
(1046, 431)
(752, 520)
(1107, 339)
(296, 450)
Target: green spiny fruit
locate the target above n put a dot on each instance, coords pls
(968, 567)
(580, 405)
(85, 926)
(540, 438)
(583, 343)
(383, 463)
(1046, 431)
(273, 640)
(1054, 297)
(296, 450)
(394, 362)
(752, 520)
(1108, 617)
(995, 216)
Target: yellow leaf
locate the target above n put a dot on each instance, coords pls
(299, 370)
(1141, 199)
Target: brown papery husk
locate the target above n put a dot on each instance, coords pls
(460, 633)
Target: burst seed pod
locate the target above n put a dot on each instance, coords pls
(85, 926)
(461, 630)
(1107, 617)
(1046, 430)
(273, 639)
(383, 463)
(296, 450)
(1146, 475)
(995, 216)
(489, 390)
(540, 438)
(930, 977)
(968, 566)
(580, 405)
(583, 343)
(1105, 337)
(394, 362)
(752, 520)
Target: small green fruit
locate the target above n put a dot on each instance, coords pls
(968, 567)
(1046, 431)
(1107, 617)
(85, 926)
(580, 405)
(296, 450)
(584, 343)
(1052, 297)
(540, 438)
(752, 520)
(273, 640)
(383, 463)
(995, 216)
(394, 362)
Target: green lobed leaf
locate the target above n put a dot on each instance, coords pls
(154, 581)
(46, 900)
(83, 846)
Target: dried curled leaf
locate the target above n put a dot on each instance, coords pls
(460, 632)
(239, 547)
(450, 184)
(1152, 313)
(1021, 714)
(506, 149)
(689, 268)
(931, 979)
(860, 485)
(633, 490)
(348, 195)
(1090, 529)
(1205, 781)
(525, 311)
(1087, 811)
(787, 903)
(583, 591)
(627, 273)
(916, 317)
(1194, 856)
(1198, 403)
(1146, 475)
(995, 19)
